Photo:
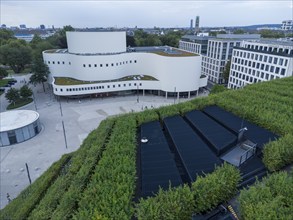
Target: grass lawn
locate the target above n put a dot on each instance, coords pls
(72, 81)
(19, 103)
(3, 82)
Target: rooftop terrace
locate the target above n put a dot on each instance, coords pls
(159, 50)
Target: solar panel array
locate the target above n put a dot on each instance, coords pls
(158, 167)
(194, 153)
(254, 133)
(219, 137)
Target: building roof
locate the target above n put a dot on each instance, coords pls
(160, 50)
(12, 120)
(273, 42)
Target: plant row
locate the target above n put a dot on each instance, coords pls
(112, 186)
(90, 151)
(270, 199)
(204, 194)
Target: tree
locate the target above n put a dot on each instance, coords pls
(218, 88)
(12, 95)
(239, 31)
(25, 92)
(5, 35)
(62, 41)
(3, 73)
(39, 48)
(226, 72)
(16, 54)
(40, 72)
(35, 41)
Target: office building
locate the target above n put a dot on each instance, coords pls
(287, 25)
(216, 52)
(260, 60)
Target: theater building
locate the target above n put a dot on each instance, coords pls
(99, 64)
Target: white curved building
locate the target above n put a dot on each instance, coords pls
(99, 63)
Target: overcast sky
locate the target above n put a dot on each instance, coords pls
(143, 13)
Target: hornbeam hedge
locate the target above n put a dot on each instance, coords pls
(112, 187)
(90, 152)
(270, 199)
(180, 203)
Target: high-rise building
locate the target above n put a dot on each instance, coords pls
(22, 26)
(196, 24)
(260, 60)
(191, 24)
(42, 27)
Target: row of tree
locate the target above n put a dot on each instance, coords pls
(13, 95)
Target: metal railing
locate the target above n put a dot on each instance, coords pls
(248, 153)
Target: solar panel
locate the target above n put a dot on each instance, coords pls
(194, 153)
(219, 137)
(254, 133)
(158, 168)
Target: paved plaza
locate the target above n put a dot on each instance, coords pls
(79, 116)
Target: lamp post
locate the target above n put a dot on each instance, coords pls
(174, 94)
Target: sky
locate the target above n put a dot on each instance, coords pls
(82, 13)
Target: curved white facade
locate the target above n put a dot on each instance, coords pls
(173, 72)
(96, 42)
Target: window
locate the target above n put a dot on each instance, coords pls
(124, 85)
(107, 65)
(281, 61)
(63, 62)
(69, 63)
(90, 65)
(61, 90)
(283, 71)
(119, 85)
(95, 65)
(101, 65)
(134, 84)
(58, 62)
(130, 61)
(270, 59)
(48, 62)
(108, 87)
(275, 60)
(140, 84)
(116, 64)
(53, 62)
(83, 65)
(129, 84)
(113, 86)
(112, 64)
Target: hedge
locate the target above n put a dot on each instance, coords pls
(270, 199)
(205, 194)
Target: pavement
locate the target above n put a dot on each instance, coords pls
(80, 117)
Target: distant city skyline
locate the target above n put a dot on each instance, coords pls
(146, 14)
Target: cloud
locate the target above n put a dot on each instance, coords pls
(143, 13)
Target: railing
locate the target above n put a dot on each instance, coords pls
(248, 153)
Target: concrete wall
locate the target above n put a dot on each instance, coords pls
(96, 42)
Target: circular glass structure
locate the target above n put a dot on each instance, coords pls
(18, 126)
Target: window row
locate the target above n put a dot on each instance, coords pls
(258, 74)
(269, 49)
(57, 62)
(98, 87)
(258, 66)
(110, 64)
(257, 57)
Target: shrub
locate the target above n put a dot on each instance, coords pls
(278, 154)
(216, 187)
(270, 199)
